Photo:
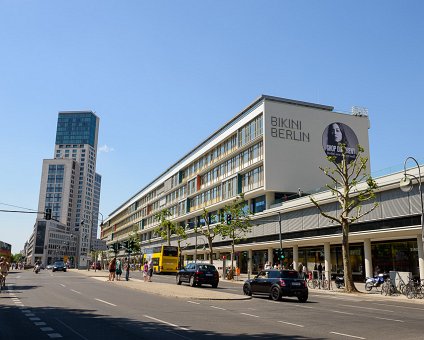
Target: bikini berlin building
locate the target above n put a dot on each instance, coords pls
(271, 151)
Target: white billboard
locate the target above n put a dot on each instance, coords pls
(298, 138)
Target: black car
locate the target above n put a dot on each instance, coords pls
(59, 265)
(198, 274)
(276, 284)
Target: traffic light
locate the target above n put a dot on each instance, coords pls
(228, 218)
(281, 254)
(48, 214)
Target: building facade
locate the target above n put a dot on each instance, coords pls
(70, 187)
(270, 152)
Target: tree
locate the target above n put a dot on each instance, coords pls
(166, 226)
(210, 232)
(346, 175)
(235, 224)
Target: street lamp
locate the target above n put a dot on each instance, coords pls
(406, 185)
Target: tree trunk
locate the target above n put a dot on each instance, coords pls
(168, 235)
(210, 250)
(349, 285)
(232, 256)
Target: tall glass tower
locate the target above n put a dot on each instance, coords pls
(76, 139)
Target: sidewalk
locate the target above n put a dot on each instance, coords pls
(164, 289)
(196, 293)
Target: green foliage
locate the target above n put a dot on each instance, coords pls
(167, 227)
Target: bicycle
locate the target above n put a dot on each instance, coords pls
(312, 283)
(387, 288)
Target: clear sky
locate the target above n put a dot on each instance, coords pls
(163, 75)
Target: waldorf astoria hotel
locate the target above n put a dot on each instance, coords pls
(271, 151)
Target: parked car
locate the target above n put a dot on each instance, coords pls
(59, 265)
(49, 267)
(276, 284)
(198, 274)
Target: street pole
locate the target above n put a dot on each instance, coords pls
(406, 185)
(195, 248)
(281, 241)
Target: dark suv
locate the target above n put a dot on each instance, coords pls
(59, 265)
(276, 284)
(198, 274)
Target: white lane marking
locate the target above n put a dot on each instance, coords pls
(54, 335)
(166, 323)
(397, 306)
(193, 302)
(255, 316)
(62, 285)
(348, 335)
(217, 307)
(389, 319)
(369, 308)
(340, 312)
(292, 324)
(46, 329)
(71, 329)
(75, 291)
(106, 302)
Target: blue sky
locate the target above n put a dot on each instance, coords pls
(164, 75)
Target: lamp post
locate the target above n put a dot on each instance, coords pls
(406, 185)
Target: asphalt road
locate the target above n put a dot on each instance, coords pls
(72, 306)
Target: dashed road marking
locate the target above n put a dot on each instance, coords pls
(166, 323)
(255, 316)
(217, 307)
(389, 319)
(75, 291)
(341, 312)
(291, 324)
(193, 302)
(369, 308)
(348, 335)
(108, 303)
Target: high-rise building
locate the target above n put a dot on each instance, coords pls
(69, 187)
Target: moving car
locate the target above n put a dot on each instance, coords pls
(276, 284)
(198, 274)
(59, 265)
(96, 266)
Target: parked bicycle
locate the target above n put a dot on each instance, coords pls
(387, 288)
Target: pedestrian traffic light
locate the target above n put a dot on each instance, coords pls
(229, 217)
(48, 214)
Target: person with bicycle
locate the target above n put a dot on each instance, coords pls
(4, 269)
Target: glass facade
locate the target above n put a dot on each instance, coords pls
(76, 128)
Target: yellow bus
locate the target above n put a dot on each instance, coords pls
(165, 258)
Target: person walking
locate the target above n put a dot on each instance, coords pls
(150, 274)
(118, 270)
(145, 270)
(127, 269)
(112, 269)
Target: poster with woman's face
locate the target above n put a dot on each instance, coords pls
(338, 133)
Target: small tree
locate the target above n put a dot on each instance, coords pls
(235, 228)
(210, 232)
(346, 175)
(166, 226)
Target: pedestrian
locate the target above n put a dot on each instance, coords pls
(305, 271)
(118, 269)
(145, 270)
(150, 274)
(320, 271)
(112, 269)
(127, 269)
(267, 265)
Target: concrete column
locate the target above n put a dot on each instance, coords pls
(327, 261)
(269, 197)
(249, 262)
(270, 255)
(185, 259)
(420, 256)
(368, 258)
(295, 256)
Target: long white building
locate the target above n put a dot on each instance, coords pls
(269, 151)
